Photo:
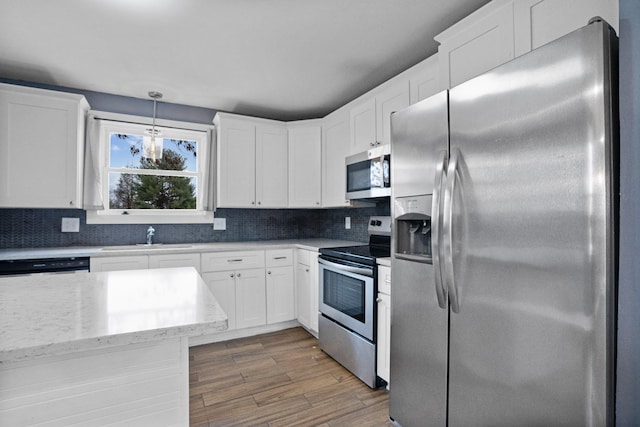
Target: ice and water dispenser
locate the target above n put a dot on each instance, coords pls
(413, 228)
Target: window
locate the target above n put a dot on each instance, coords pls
(148, 176)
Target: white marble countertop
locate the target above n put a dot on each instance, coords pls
(34, 253)
(44, 315)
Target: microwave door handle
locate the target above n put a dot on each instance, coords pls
(436, 223)
(446, 230)
(347, 268)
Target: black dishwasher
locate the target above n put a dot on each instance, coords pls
(43, 265)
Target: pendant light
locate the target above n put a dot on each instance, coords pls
(152, 148)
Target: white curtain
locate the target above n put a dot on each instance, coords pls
(92, 162)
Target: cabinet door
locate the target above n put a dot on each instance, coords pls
(424, 80)
(175, 260)
(223, 287)
(539, 22)
(225, 261)
(335, 147)
(313, 292)
(384, 335)
(236, 164)
(305, 147)
(280, 294)
(251, 299)
(272, 184)
(393, 99)
(480, 42)
(303, 294)
(363, 126)
(41, 148)
(118, 263)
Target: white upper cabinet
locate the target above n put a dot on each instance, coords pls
(538, 22)
(363, 126)
(271, 166)
(252, 162)
(505, 29)
(335, 147)
(41, 148)
(305, 149)
(371, 118)
(424, 79)
(478, 43)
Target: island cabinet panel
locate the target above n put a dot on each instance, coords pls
(223, 286)
(137, 384)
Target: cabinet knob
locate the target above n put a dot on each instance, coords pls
(268, 272)
(259, 203)
(317, 203)
(253, 202)
(232, 275)
(306, 269)
(378, 299)
(238, 275)
(71, 203)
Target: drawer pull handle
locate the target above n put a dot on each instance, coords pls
(235, 260)
(280, 257)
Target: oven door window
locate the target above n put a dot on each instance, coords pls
(345, 294)
(348, 298)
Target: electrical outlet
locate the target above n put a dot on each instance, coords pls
(70, 225)
(219, 223)
(347, 223)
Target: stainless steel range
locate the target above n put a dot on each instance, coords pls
(347, 301)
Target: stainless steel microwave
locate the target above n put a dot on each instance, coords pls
(368, 173)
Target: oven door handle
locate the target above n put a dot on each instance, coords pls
(357, 270)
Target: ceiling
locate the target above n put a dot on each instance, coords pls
(282, 59)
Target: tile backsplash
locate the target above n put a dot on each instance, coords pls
(40, 228)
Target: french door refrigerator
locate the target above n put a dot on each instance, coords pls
(504, 243)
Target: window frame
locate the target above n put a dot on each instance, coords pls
(202, 134)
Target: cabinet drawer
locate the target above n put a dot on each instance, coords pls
(223, 261)
(279, 257)
(384, 279)
(303, 257)
(174, 260)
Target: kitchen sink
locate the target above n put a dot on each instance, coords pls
(141, 246)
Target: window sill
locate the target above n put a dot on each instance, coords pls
(98, 217)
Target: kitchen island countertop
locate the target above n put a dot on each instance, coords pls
(44, 315)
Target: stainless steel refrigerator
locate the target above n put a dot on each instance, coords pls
(504, 244)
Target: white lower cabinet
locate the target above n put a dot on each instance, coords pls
(280, 286)
(142, 262)
(117, 263)
(223, 286)
(384, 322)
(251, 298)
(237, 280)
(307, 288)
(242, 295)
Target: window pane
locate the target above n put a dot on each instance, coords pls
(134, 191)
(128, 151)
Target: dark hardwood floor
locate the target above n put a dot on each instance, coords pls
(278, 379)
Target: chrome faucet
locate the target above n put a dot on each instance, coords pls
(150, 232)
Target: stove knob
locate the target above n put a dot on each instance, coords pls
(378, 223)
(372, 222)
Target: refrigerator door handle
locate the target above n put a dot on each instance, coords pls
(436, 221)
(447, 240)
